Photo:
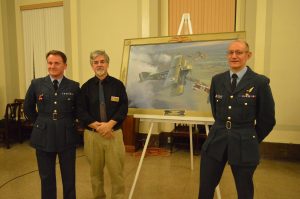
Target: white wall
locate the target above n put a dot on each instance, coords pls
(3, 100)
(283, 67)
(103, 25)
(272, 30)
(9, 83)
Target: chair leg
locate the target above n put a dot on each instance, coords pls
(171, 141)
(20, 135)
(6, 139)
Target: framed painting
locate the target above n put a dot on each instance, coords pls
(173, 73)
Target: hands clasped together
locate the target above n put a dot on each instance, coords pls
(105, 129)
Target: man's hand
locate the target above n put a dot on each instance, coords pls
(105, 129)
(94, 125)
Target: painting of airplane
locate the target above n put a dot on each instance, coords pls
(176, 76)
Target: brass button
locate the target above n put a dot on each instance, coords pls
(246, 103)
(55, 94)
(229, 118)
(55, 102)
(229, 107)
(231, 96)
(55, 111)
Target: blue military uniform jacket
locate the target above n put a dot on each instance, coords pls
(53, 113)
(243, 118)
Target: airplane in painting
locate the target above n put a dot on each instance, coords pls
(176, 76)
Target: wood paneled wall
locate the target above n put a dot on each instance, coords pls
(207, 16)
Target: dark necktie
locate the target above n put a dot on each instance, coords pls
(233, 82)
(103, 116)
(55, 84)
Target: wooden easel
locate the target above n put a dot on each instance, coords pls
(186, 25)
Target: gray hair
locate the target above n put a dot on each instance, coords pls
(243, 42)
(96, 53)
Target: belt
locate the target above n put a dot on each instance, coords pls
(55, 116)
(229, 124)
(94, 130)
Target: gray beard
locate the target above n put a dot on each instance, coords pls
(100, 72)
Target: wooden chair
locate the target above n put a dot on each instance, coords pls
(9, 125)
(2, 130)
(24, 124)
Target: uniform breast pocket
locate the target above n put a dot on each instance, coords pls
(42, 100)
(247, 107)
(68, 102)
(220, 106)
(68, 98)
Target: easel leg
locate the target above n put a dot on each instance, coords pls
(141, 161)
(191, 147)
(218, 187)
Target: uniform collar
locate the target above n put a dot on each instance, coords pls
(240, 74)
(59, 80)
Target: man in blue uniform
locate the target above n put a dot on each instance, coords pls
(104, 108)
(51, 103)
(243, 108)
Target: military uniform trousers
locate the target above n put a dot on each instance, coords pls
(110, 153)
(47, 164)
(211, 171)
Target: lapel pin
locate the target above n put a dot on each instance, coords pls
(250, 89)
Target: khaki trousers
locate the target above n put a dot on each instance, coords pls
(103, 152)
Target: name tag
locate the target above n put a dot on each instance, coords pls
(114, 99)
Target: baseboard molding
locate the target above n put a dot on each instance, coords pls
(130, 148)
(283, 151)
(269, 150)
(140, 141)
